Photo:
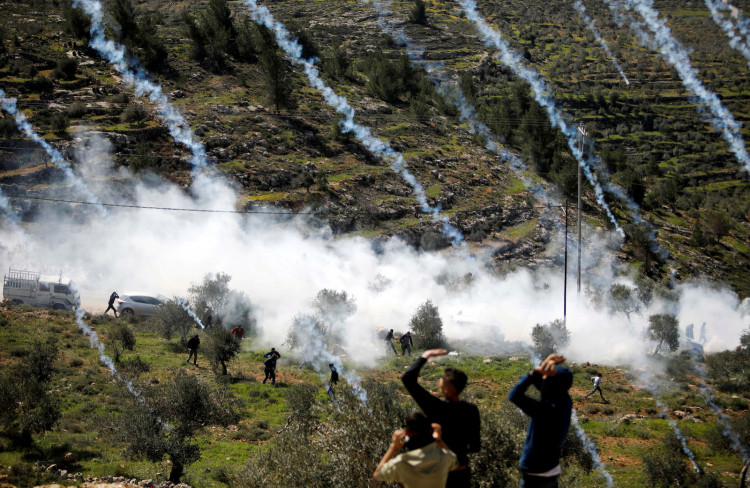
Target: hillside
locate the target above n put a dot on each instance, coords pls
(274, 137)
(293, 435)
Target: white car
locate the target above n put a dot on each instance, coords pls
(138, 304)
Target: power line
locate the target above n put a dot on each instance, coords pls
(201, 210)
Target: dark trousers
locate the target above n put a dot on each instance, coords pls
(529, 481)
(459, 479)
(270, 374)
(596, 388)
(390, 344)
(405, 347)
(193, 353)
(111, 308)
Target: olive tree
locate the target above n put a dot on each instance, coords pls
(26, 404)
(170, 416)
(663, 329)
(550, 338)
(120, 338)
(427, 327)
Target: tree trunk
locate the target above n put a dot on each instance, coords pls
(176, 473)
(223, 368)
(657, 348)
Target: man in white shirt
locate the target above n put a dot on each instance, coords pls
(596, 380)
(427, 462)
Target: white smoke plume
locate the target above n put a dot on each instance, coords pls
(590, 25)
(187, 309)
(106, 360)
(281, 263)
(678, 57)
(9, 105)
(591, 449)
(134, 75)
(708, 395)
(543, 96)
(737, 32)
(449, 89)
(377, 146)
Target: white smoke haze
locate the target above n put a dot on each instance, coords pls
(281, 264)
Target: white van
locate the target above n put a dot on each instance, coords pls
(32, 288)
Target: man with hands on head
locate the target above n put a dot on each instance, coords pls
(459, 419)
(428, 460)
(550, 421)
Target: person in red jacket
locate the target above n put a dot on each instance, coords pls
(238, 332)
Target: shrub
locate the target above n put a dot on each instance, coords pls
(427, 327)
(59, 124)
(135, 115)
(66, 69)
(26, 404)
(120, 338)
(172, 319)
(418, 14)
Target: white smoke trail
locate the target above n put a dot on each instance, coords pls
(726, 427)
(383, 149)
(452, 93)
(536, 360)
(134, 75)
(185, 307)
(664, 413)
(9, 105)
(543, 96)
(581, 9)
(738, 33)
(95, 344)
(677, 56)
(315, 352)
(591, 448)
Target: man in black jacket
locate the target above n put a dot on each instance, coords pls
(459, 419)
(269, 365)
(111, 306)
(406, 344)
(192, 345)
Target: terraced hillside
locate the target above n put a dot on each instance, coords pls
(275, 137)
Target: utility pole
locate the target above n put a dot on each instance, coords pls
(565, 275)
(582, 131)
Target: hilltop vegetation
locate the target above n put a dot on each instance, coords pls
(235, 431)
(265, 129)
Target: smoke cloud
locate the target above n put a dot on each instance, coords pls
(581, 9)
(379, 147)
(281, 263)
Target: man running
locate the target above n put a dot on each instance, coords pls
(389, 343)
(550, 421)
(406, 343)
(111, 306)
(596, 380)
(459, 419)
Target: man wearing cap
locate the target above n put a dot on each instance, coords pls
(459, 419)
